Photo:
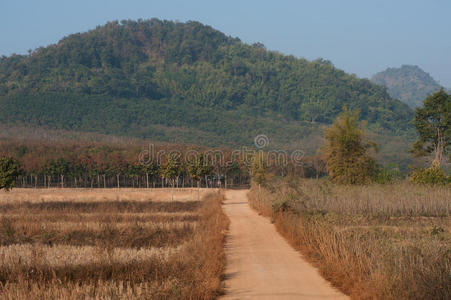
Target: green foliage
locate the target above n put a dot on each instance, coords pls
(9, 171)
(199, 167)
(151, 169)
(153, 78)
(433, 175)
(258, 171)
(171, 168)
(433, 124)
(345, 153)
(410, 84)
(388, 174)
(78, 164)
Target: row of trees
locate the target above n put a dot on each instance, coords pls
(115, 171)
(96, 165)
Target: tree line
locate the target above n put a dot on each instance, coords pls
(42, 164)
(101, 165)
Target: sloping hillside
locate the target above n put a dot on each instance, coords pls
(410, 84)
(183, 82)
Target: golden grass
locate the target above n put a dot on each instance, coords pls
(97, 207)
(28, 255)
(100, 194)
(135, 235)
(50, 217)
(120, 248)
(372, 242)
(100, 226)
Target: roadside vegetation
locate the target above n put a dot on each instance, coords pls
(111, 249)
(372, 242)
(371, 233)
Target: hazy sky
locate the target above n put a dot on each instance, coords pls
(359, 36)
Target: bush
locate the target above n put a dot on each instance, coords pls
(432, 175)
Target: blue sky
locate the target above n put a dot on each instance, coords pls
(358, 36)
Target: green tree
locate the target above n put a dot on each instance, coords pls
(197, 169)
(171, 169)
(9, 171)
(151, 170)
(345, 153)
(259, 169)
(258, 172)
(433, 124)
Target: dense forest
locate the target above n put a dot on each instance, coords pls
(183, 82)
(410, 84)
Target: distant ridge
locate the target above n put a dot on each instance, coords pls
(410, 84)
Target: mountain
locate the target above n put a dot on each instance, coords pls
(184, 82)
(410, 84)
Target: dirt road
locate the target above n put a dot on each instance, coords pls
(261, 264)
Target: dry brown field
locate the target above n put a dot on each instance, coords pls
(111, 244)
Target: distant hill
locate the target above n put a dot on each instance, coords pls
(410, 84)
(184, 82)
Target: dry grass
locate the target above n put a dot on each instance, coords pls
(100, 194)
(372, 242)
(119, 248)
(97, 207)
(27, 255)
(50, 217)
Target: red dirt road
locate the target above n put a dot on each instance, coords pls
(261, 264)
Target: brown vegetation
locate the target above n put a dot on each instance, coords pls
(117, 249)
(372, 242)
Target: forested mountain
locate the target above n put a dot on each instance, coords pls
(183, 82)
(410, 84)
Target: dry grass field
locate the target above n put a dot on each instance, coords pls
(111, 244)
(100, 194)
(372, 242)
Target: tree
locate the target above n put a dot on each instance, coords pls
(60, 168)
(151, 170)
(9, 171)
(117, 165)
(170, 170)
(233, 171)
(259, 169)
(345, 153)
(197, 169)
(433, 124)
(312, 110)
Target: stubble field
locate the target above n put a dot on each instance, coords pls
(111, 244)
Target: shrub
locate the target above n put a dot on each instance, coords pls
(432, 175)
